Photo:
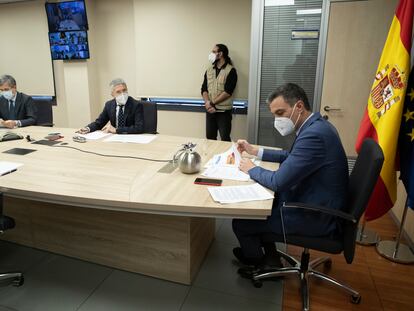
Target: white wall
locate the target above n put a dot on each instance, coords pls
(24, 51)
(160, 48)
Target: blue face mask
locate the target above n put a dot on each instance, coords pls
(7, 94)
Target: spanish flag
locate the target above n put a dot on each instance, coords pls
(382, 117)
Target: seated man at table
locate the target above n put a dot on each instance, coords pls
(121, 115)
(16, 109)
(314, 171)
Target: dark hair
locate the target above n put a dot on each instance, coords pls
(291, 94)
(222, 48)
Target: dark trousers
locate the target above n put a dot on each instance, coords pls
(221, 122)
(255, 234)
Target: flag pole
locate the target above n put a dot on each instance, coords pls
(366, 236)
(394, 250)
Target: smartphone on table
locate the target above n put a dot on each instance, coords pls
(208, 181)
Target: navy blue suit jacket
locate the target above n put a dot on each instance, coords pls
(315, 171)
(24, 106)
(134, 117)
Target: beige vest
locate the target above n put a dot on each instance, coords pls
(216, 85)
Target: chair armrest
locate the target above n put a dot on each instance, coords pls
(321, 209)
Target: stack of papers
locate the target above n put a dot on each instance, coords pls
(226, 166)
(223, 172)
(132, 138)
(236, 194)
(8, 167)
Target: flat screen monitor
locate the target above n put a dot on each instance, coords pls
(69, 45)
(66, 16)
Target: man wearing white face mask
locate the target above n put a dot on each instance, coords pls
(121, 115)
(219, 82)
(314, 171)
(16, 109)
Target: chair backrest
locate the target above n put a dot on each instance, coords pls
(44, 113)
(362, 181)
(150, 117)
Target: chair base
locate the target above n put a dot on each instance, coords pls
(15, 278)
(305, 269)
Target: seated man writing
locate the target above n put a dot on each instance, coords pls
(121, 115)
(314, 171)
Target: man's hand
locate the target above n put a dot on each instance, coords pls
(209, 107)
(243, 145)
(11, 124)
(83, 130)
(246, 165)
(109, 129)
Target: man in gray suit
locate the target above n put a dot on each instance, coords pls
(16, 109)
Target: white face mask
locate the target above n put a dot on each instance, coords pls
(121, 99)
(285, 125)
(212, 57)
(7, 94)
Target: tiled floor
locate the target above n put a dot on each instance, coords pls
(59, 283)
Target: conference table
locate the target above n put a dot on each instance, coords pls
(98, 202)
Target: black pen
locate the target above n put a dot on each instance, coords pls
(9, 172)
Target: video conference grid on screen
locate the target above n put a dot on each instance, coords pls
(68, 26)
(69, 45)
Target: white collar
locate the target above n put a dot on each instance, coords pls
(298, 131)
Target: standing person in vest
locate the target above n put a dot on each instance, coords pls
(220, 80)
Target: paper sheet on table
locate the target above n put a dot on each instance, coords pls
(230, 158)
(225, 172)
(235, 194)
(131, 138)
(8, 167)
(95, 135)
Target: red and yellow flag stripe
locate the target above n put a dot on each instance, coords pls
(382, 117)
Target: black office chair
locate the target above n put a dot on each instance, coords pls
(150, 117)
(16, 278)
(362, 181)
(44, 113)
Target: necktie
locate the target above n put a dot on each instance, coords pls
(12, 113)
(121, 117)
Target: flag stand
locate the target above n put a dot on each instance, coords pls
(394, 250)
(366, 236)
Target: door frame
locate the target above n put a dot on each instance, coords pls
(256, 44)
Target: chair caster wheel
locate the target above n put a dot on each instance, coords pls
(356, 299)
(18, 281)
(328, 264)
(257, 284)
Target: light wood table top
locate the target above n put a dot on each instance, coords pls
(67, 176)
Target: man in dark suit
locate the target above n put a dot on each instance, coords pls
(16, 109)
(121, 115)
(314, 171)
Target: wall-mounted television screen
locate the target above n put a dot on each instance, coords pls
(65, 16)
(69, 45)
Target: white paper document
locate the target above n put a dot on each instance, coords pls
(224, 172)
(230, 158)
(8, 167)
(235, 194)
(226, 166)
(95, 135)
(132, 138)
